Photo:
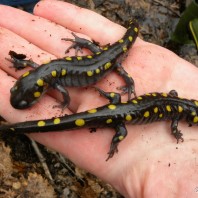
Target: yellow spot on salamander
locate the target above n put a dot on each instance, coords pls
(79, 57)
(57, 121)
(68, 58)
(89, 73)
(124, 49)
(46, 61)
(40, 82)
(146, 114)
(139, 98)
(41, 123)
(112, 94)
(168, 108)
(97, 71)
(112, 107)
(180, 109)
(54, 73)
(196, 103)
(193, 113)
(160, 115)
(147, 94)
(195, 120)
(130, 38)
(37, 94)
(98, 53)
(63, 72)
(80, 122)
(107, 65)
(136, 29)
(164, 94)
(155, 109)
(120, 41)
(154, 94)
(128, 117)
(109, 121)
(89, 56)
(92, 111)
(105, 48)
(121, 137)
(12, 129)
(26, 74)
(134, 101)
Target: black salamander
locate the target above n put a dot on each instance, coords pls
(75, 71)
(139, 110)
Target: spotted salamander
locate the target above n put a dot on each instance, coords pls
(75, 71)
(143, 109)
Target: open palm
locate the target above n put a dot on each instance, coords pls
(149, 162)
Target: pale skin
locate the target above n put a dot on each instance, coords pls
(149, 163)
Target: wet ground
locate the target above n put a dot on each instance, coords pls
(23, 175)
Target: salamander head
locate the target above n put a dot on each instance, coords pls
(26, 91)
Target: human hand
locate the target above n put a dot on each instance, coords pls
(148, 163)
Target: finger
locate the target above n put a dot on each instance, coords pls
(11, 41)
(80, 20)
(39, 31)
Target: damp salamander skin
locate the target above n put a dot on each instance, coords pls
(75, 71)
(144, 109)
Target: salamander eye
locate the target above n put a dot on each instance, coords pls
(22, 104)
(13, 89)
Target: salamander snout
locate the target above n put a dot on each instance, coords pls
(24, 95)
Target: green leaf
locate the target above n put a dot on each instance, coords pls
(181, 34)
(194, 30)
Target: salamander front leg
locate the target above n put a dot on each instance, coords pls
(65, 94)
(19, 61)
(121, 133)
(173, 93)
(130, 84)
(79, 43)
(175, 132)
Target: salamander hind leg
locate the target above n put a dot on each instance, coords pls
(65, 94)
(175, 132)
(79, 43)
(130, 84)
(121, 133)
(20, 62)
